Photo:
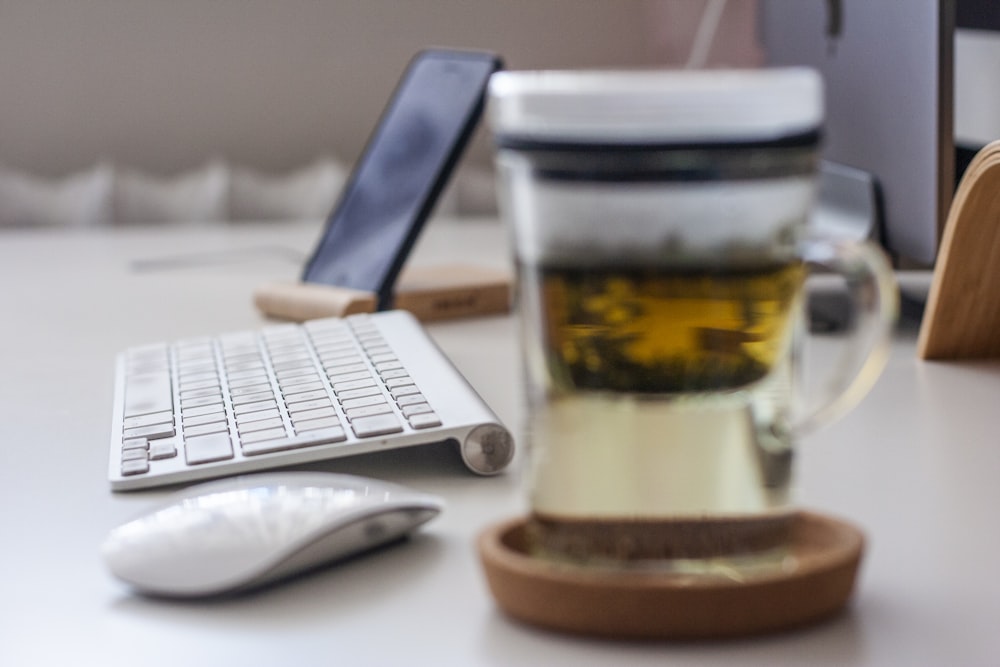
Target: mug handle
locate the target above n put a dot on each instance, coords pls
(874, 297)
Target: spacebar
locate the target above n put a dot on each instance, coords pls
(208, 448)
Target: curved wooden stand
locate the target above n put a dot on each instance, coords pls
(962, 318)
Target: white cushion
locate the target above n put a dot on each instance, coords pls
(194, 196)
(308, 193)
(82, 199)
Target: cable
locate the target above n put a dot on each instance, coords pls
(708, 25)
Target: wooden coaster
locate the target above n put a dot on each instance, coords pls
(962, 318)
(825, 555)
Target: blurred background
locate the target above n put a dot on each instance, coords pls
(128, 111)
(164, 86)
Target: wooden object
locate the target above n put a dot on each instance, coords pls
(429, 292)
(962, 317)
(651, 605)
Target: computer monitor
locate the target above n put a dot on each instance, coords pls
(888, 73)
(978, 15)
(977, 61)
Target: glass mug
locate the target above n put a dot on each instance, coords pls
(659, 225)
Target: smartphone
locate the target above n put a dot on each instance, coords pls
(402, 171)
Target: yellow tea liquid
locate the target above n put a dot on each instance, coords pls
(644, 424)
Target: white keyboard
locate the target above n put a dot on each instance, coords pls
(290, 394)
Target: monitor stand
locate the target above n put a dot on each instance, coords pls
(848, 205)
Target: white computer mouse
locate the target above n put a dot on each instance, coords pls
(235, 534)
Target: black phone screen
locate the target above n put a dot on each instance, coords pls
(401, 172)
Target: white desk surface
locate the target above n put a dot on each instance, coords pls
(916, 465)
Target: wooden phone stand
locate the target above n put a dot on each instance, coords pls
(429, 292)
(962, 318)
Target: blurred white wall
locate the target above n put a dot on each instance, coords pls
(164, 85)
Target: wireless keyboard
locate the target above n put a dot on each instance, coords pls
(290, 394)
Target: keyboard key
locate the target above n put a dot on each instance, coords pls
(310, 405)
(267, 447)
(404, 390)
(187, 394)
(410, 399)
(135, 467)
(133, 454)
(340, 355)
(316, 424)
(297, 353)
(147, 393)
(197, 411)
(306, 396)
(192, 362)
(208, 448)
(251, 380)
(248, 417)
(166, 417)
(307, 378)
(357, 393)
(260, 436)
(415, 409)
(244, 368)
(374, 399)
(205, 429)
(326, 435)
(261, 425)
(193, 371)
(342, 369)
(353, 384)
(295, 364)
(253, 398)
(348, 377)
(302, 388)
(201, 401)
(135, 443)
(244, 365)
(355, 413)
(218, 416)
(254, 407)
(310, 439)
(189, 378)
(199, 384)
(287, 374)
(150, 432)
(250, 389)
(305, 415)
(424, 420)
(162, 450)
(366, 427)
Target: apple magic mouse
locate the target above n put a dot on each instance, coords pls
(235, 534)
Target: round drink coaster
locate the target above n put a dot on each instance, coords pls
(820, 567)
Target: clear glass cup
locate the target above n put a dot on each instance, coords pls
(660, 230)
